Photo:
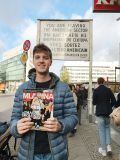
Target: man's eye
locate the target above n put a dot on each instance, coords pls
(37, 57)
(46, 57)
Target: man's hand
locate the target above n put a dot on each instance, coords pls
(24, 125)
(52, 125)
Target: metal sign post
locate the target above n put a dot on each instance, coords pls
(90, 106)
(24, 56)
(119, 61)
(23, 59)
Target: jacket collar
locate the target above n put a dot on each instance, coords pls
(32, 77)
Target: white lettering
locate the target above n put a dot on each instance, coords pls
(102, 1)
(26, 95)
(112, 2)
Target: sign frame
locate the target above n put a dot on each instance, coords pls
(40, 32)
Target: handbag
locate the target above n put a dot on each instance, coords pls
(115, 115)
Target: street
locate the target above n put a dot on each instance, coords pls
(6, 104)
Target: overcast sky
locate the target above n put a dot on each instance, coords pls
(18, 23)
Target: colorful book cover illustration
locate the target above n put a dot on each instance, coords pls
(38, 105)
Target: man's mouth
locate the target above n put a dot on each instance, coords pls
(41, 66)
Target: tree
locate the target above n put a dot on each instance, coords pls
(64, 75)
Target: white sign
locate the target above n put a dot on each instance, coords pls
(68, 40)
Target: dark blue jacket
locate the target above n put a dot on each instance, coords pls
(64, 111)
(104, 100)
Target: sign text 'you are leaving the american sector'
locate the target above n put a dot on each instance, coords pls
(68, 40)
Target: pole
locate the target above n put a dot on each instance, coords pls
(90, 106)
(24, 72)
(38, 31)
(119, 61)
(118, 19)
(115, 79)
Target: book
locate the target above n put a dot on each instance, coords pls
(38, 105)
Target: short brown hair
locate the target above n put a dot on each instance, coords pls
(42, 48)
(100, 80)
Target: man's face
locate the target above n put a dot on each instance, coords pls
(42, 62)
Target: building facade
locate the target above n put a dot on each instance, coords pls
(79, 71)
(12, 71)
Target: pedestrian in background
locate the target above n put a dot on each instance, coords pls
(73, 90)
(72, 87)
(50, 144)
(104, 100)
(85, 96)
(118, 100)
(79, 102)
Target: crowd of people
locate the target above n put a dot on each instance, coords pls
(80, 95)
(68, 100)
(104, 102)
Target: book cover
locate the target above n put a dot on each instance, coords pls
(38, 105)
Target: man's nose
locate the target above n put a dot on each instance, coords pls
(41, 59)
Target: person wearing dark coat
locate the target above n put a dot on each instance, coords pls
(79, 102)
(104, 100)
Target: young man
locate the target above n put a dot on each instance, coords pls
(50, 144)
(104, 100)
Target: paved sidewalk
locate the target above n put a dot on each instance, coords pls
(84, 145)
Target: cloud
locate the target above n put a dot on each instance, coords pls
(106, 34)
(15, 16)
(10, 13)
(2, 45)
(15, 11)
(57, 15)
(75, 16)
(88, 14)
(18, 20)
(28, 30)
